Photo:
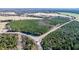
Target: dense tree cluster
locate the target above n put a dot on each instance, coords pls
(8, 41)
(66, 38)
(58, 20)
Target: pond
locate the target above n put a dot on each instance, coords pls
(31, 33)
(28, 33)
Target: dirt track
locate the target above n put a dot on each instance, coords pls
(16, 18)
(38, 39)
(3, 26)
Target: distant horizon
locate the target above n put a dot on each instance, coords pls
(30, 10)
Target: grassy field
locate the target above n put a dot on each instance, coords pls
(37, 27)
(66, 38)
(29, 26)
(8, 41)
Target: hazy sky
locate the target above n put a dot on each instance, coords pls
(39, 3)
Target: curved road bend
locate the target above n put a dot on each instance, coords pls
(19, 44)
(38, 39)
(53, 29)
